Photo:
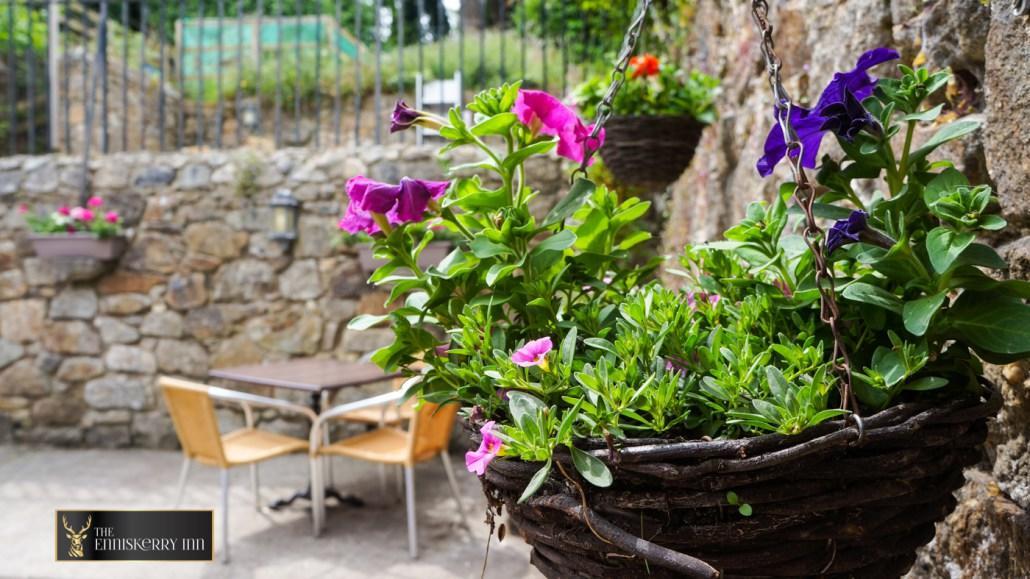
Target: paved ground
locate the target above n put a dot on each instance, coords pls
(358, 542)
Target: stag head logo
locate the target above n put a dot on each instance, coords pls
(76, 537)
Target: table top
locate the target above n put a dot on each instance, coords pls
(306, 374)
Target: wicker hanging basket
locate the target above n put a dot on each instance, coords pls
(826, 503)
(650, 151)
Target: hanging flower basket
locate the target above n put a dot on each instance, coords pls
(79, 245)
(650, 151)
(825, 503)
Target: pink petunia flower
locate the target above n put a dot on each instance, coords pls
(23, 209)
(476, 461)
(543, 113)
(81, 214)
(94, 202)
(533, 353)
(111, 217)
(63, 210)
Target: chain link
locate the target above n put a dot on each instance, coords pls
(606, 107)
(804, 195)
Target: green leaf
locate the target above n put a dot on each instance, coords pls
(365, 321)
(777, 383)
(917, 313)
(600, 343)
(536, 482)
(980, 255)
(949, 132)
(498, 271)
(992, 222)
(568, 347)
(560, 241)
(944, 245)
(518, 157)
(483, 248)
(990, 322)
(925, 116)
(634, 239)
(591, 468)
(927, 383)
(573, 200)
(524, 407)
(498, 124)
(871, 294)
(949, 180)
(745, 510)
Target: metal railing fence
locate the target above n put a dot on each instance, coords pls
(123, 75)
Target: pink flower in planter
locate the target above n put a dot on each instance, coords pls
(533, 353)
(63, 210)
(476, 461)
(23, 209)
(702, 297)
(403, 203)
(94, 201)
(81, 214)
(111, 217)
(543, 113)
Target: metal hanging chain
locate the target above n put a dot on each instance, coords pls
(606, 107)
(804, 195)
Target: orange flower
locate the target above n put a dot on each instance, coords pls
(646, 65)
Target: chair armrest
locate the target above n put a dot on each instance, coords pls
(246, 400)
(336, 411)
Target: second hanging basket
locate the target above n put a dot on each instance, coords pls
(650, 151)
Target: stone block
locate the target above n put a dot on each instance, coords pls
(114, 331)
(24, 378)
(301, 281)
(75, 337)
(162, 324)
(74, 303)
(22, 321)
(79, 369)
(182, 357)
(130, 359)
(124, 304)
(186, 291)
(118, 391)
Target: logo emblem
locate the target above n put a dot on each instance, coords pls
(76, 538)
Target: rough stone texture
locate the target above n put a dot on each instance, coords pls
(200, 286)
(988, 48)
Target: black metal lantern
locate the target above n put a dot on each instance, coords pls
(285, 211)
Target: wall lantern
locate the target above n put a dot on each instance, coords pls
(285, 211)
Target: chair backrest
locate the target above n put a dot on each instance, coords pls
(193, 415)
(430, 430)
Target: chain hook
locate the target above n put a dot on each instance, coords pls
(804, 195)
(606, 107)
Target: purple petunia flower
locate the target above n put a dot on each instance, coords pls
(847, 118)
(405, 202)
(809, 124)
(405, 117)
(846, 231)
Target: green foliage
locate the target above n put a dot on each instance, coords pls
(671, 92)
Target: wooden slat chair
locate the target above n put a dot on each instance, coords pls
(427, 437)
(192, 408)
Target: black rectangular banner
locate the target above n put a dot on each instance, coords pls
(133, 535)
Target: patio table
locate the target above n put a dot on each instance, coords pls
(320, 378)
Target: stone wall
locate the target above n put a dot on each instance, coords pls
(988, 47)
(201, 285)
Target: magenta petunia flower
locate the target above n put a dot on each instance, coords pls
(23, 208)
(405, 117)
(64, 210)
(111, 216)
(94, 201)
(403, 203)
(476, 461)
(533, 353)
(543, 113)
(693, 299)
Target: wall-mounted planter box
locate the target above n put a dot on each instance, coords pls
(78, 245)
(431, 255)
